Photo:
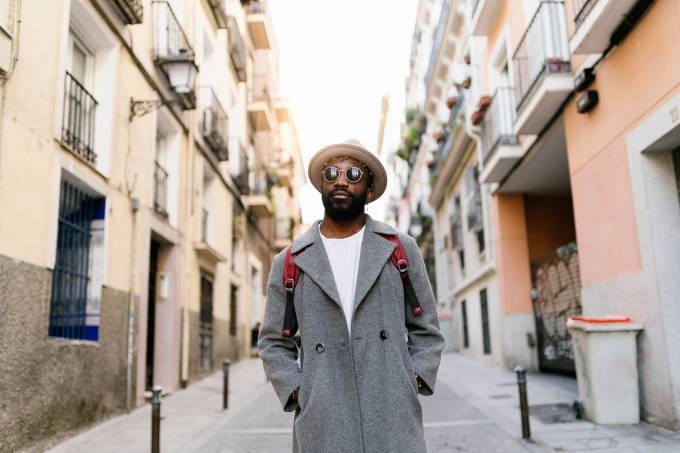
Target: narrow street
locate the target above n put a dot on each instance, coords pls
(474, 409)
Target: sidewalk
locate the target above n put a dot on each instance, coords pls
(474, 410)
(493, 391)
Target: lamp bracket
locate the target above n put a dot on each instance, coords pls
(142, 107)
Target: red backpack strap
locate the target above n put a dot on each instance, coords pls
(291, 273)
(400, 261)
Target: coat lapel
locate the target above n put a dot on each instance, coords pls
(314, 262)
(375, 251)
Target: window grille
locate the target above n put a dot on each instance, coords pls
(486, 332)
(78, 119)
(69, 313)
(160, 189)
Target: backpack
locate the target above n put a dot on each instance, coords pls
(291, 273)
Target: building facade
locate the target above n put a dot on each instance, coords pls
(148, 171)
(572, 111)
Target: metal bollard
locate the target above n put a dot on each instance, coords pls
(156, 419)
(523, 403)
(225, 386)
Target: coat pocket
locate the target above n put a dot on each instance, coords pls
(410, 370)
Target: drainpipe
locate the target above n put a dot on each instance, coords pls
(130, 346)
(131, 183)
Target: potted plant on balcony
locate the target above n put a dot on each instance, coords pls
(484, 103)
(477, 117)
(467, 82)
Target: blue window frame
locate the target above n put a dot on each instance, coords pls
(72, 314)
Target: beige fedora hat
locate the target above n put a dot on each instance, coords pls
(355, 150)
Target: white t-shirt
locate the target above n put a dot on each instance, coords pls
(344, 255)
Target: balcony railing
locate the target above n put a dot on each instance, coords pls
(475, 4)
(78, 119)
(237, 49)
(438, 33)
(255, 7)
(498, 125)
(242, 174)
(284, 228)
(544, 49)
(259, 92)
(205, 219)
(160, 189)
(219, 12)
(170, 40)
(581, 10)
(214, 124)
(259, 186)
(132, 11)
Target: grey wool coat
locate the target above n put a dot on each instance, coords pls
(358, 393)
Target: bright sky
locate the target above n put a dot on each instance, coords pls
(337, 60)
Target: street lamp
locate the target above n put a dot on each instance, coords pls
(181, 71)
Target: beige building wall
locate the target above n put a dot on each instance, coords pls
(136, 296)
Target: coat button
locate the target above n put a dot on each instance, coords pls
(384, 334)
(320, 348)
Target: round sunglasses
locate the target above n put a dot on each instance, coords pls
(352, 174)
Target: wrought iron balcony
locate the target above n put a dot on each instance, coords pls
(173, 53)
(256, 7)
(260, 103)
(475, 4)
(214, 124)
(258, 201)
(160, 189)
(258, 25)
(598, 23)
(131, 11)
(543, 50)
(205, 219)
(498, 125)
(237, 49)
(581, 9)
(241, 175)
(219, 12)
(78, 119)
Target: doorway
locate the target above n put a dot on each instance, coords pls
(151, 312)
(205, 328)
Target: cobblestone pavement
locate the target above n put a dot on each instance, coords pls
(474, 410)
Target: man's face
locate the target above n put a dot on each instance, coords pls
(344, 200)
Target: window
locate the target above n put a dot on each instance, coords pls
(457, 231)
(233, 311)
(78, 120)
(205, 328)
(473, 191)
(166, 167)
(463, 312)
(87, 103)
(484, 306)
(76, 280)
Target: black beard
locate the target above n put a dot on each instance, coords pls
(350, 209)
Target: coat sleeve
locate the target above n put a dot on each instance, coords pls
(425, 341)
(279, 354)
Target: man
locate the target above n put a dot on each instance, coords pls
(254, 335)
(364, 355)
